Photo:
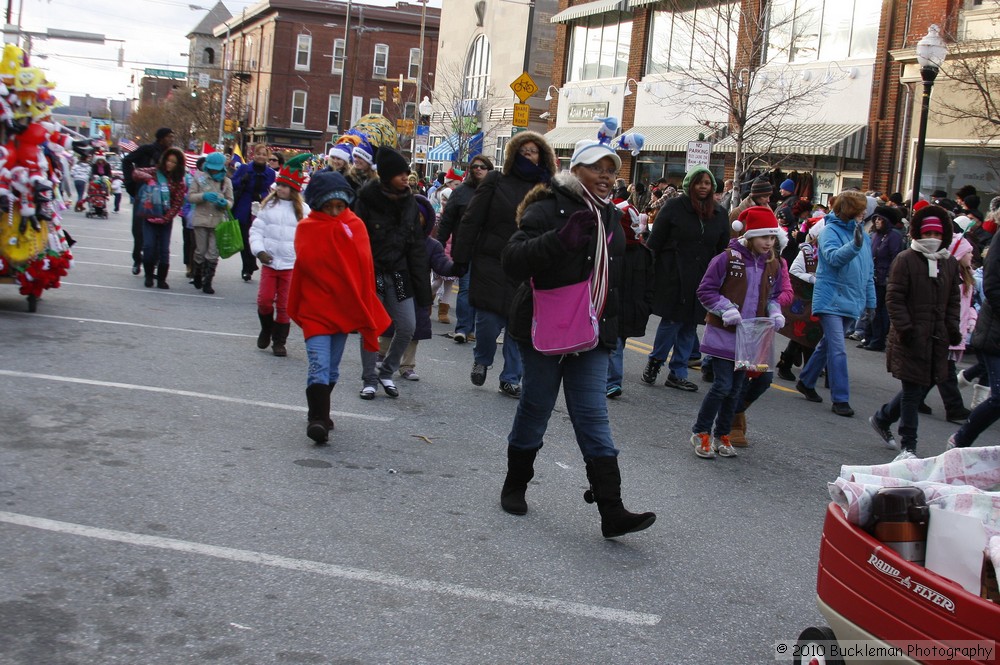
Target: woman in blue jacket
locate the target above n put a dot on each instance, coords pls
(845, 288)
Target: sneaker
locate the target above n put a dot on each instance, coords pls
(855, 336)
(368, 393)
(409, 375)
(674, 381)
(652, 370)
(842, 409)
(702, 443)
(884, 433)
(459, 338)
(724, 447)
(951, 443)
(810, 393)
(510, 389)
(614, 392)
(905, 455)
(389, 387)
(478, 375)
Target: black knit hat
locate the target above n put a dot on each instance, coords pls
(325, 186)
(389, 164)
(760, 187)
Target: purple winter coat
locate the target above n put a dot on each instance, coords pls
(719, 342)
(885, 247)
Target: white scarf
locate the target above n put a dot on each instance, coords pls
(599, 281)
(932, 251)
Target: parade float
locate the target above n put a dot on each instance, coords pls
(34, 249)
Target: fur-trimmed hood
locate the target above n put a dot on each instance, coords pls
(547, 156)
(565, 182)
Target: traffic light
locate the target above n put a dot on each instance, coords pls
(381, 93)
(396, 95)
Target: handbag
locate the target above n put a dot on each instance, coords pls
(153, 200)
(565, 319)
(228, 238)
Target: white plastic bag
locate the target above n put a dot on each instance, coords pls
(755, 345)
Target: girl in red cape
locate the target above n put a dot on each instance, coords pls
(333, 291)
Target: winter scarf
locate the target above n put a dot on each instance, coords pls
(599, 284)
(528, 170)
(932, 251)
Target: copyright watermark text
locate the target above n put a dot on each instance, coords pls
(955, 651)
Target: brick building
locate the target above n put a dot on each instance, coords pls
(302, 72)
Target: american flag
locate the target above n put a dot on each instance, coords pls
(128, 145)
(191, 160)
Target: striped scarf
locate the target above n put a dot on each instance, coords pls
(599, 278)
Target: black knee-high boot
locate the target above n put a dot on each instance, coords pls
(266, 328)
(606, 490)
(520, 469)
(318, 399)
(149, 269)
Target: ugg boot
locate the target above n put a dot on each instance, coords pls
(266, 328)
(443, 313)
(207, 275)
(279, 336)
(738, 434)
(318, 399)
(606, 490)
(652, 370)
(520, 469)
(161, 276)
(979, 395)
(148, 268)
(196, 275)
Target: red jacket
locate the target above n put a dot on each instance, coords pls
(333, 283)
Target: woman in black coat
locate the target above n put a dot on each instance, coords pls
(487, 224)
(689, 231)
(561, 227)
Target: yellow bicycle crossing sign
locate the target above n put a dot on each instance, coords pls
(523, 87)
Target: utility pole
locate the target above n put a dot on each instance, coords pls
(343, 70)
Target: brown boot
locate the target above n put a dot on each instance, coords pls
(443, 312)
(738, 434)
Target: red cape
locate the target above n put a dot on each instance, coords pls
(333, 283)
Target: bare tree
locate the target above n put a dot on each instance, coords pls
(725, 58)
(193, 114)
(464, 108)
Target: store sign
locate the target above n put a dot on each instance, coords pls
(587, 112)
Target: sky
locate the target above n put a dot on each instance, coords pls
(153, 32)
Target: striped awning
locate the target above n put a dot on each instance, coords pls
(848, 141)
(562, 138)
(667, 138)
(589, 9)
(447, 150)
(635, 4)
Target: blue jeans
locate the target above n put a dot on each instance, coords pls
(586, 400)
(719, 403)
(616, 365)
(488, 327)
(156, 243)
(986, 413)
(324, 353)
(679, 336)
(465, 314)
(831, 354)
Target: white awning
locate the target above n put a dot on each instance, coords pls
(562, 138)
(635, 4)
(589, 9)
(848, 141)
(667, 138)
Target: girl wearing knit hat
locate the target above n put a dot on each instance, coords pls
(725, 292)
(924, 305)
(272, 241)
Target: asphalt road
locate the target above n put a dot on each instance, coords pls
(160, 502)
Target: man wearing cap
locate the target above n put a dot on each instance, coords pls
(402, 269)
(146, 156)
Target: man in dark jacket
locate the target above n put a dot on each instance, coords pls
(144, 157)
(450, 219)
(402, 270)
(488, 223)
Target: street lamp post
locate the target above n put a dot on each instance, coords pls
(931, 52)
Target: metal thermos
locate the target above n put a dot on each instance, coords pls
(900, 521)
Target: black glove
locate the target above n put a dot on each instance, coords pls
(460, 269)
(859, 235)
(578, 230)
(907, 336)
(955, 340)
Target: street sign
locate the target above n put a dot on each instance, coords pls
(699, 153)
(165, 73)
(203, 80)
(420, 144)
(522, 112)
(523, 87)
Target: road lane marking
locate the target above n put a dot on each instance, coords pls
(123, 266)
(105, 249)
(135, 325)
(421, 586)
(77, 235)
(185, 393)
(166, 292)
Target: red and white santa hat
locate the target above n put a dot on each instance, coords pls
(757, 221)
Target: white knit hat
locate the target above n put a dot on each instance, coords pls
(589, 151)
(361, 153)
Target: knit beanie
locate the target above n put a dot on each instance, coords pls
(760, 187)
(757, 221)
(971, 201)
(326, 186)
(788, 185)
(293, 172)
(692, 174)
(341, 151)
(389, 163)
(590, 151)
(364, 152)
(896, 198)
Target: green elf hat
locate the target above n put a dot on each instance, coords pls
(293, 172)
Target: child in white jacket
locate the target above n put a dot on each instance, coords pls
(272, 241)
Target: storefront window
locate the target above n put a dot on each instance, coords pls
(951, 167)
(811, 30)
(599, 49)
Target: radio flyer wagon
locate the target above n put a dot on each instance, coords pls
(869, 593)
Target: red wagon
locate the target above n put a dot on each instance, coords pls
(868, 593)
